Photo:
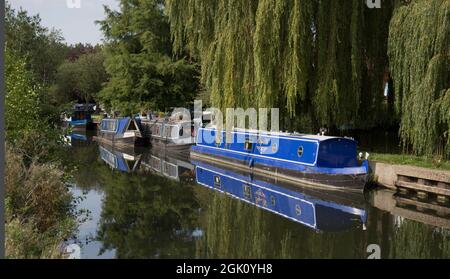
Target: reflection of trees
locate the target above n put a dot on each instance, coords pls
(87, 163)
(147, 216)
(234, 229)
(415, 240)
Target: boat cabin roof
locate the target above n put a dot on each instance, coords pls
(120, 125)
(318, 138)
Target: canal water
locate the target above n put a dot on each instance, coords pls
(154, 204)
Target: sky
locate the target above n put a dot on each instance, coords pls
(77, 24)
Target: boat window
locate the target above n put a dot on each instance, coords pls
(167, 131)
(180, 133)
(300, 151)
(217, 181)
(247, 192)
(109, 124)
(248, 145)
(298, 209)
(132, 126)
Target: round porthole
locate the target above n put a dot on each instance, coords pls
(300, 151)
(298, 209)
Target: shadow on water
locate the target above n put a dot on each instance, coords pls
(155, 204)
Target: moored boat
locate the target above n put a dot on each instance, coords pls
(81, 117)
(170, 133)
(319, 161)
(124, 131)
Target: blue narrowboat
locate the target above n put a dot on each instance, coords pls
(81, 117)
(124, 131)
(320, 210)
(314, 160)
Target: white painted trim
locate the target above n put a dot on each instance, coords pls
(128, 157)
(261, 156)
(129, 134)
(267, 157)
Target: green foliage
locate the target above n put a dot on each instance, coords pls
(27, 128)
(138, 59)
(42, 49)
(80, 80)
(21, 98)
(418, 51)
(312, 59)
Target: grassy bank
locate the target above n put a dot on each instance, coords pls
(418, 161)
(38, 208)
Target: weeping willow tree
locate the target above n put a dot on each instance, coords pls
(321, 62)
(418, 50)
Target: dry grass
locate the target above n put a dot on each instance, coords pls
(38, 208)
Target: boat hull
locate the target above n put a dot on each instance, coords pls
(112, 140)
(121, 132)
(341, 182)
(169, 145)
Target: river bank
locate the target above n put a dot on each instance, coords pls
(411, 160)
(39, 215)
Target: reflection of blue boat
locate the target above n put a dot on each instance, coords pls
(318, 209)
(309, 159)
(124, 131)
(79, 137)
(81, 117)
(119, 160)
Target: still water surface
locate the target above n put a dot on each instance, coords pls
(152, 204)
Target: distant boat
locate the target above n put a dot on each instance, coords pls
(318, 161)
(124, 131)
(321, 210)
(81, 117)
